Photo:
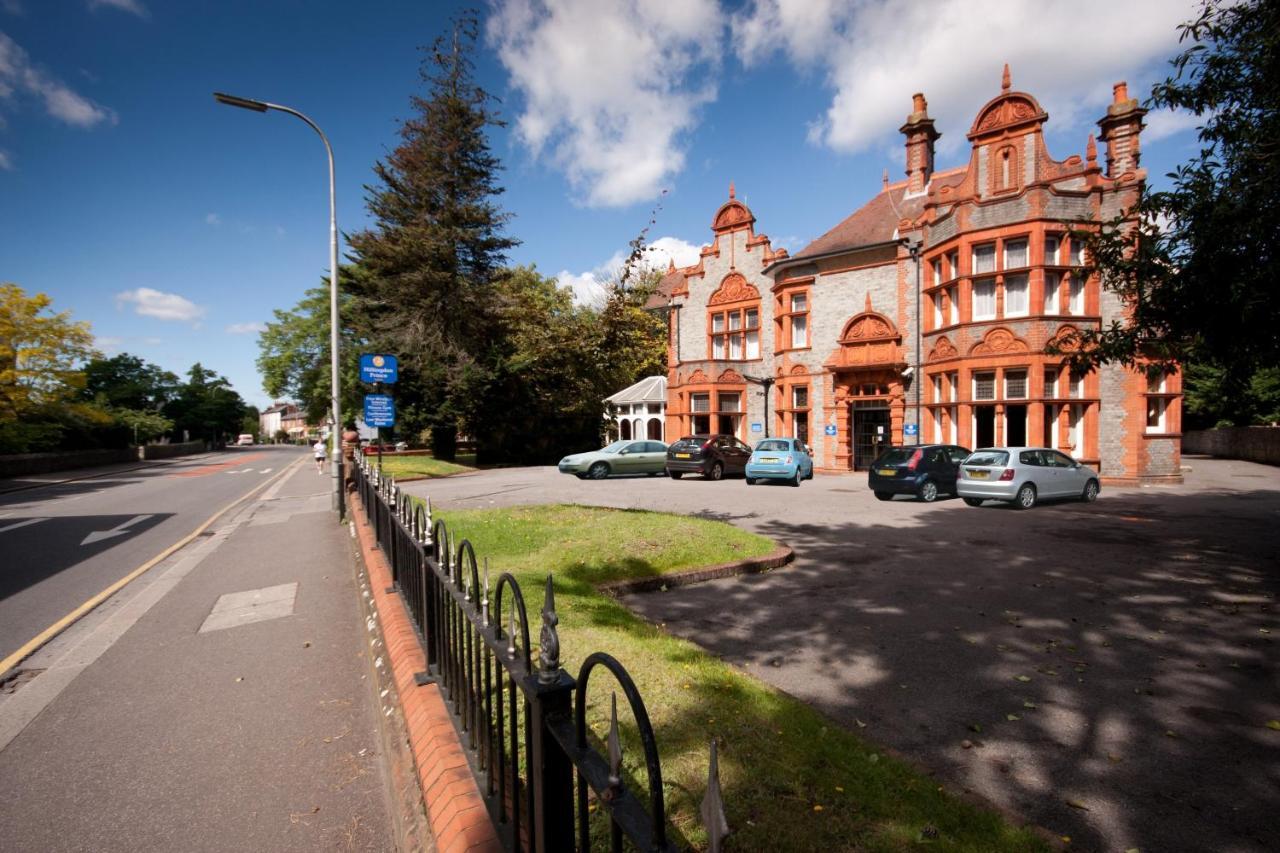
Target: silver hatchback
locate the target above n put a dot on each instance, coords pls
(1023, 476)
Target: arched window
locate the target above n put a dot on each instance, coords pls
(624, 430)
(733, 321)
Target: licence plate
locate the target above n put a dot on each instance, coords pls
(682, 455)
(887, 472)
(979, 475)
(768, 460)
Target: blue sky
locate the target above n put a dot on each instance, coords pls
(175, 226)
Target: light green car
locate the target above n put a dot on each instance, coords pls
(621, 457)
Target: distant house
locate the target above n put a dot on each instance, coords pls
(295, 423)
(640, 410)
(269, 421)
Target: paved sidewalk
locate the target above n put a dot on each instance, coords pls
(185, 720)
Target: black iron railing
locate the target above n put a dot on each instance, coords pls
(525, 725)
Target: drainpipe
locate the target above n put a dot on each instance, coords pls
(917, 376)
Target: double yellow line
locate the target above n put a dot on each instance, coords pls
(65, 622)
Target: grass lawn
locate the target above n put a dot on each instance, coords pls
(793, 780)
(402, 467)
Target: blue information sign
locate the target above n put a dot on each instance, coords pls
(830, 429)
(910, 429)
(379, 368)
(757, 427)
(379, 410)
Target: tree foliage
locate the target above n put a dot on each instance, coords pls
(427, 290)
(293, 352)
(1197, 262)
(41, 354)
(127, 382)
(205, 406)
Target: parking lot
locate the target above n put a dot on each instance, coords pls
(1104, 670)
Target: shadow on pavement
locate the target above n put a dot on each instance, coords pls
(1106, 670)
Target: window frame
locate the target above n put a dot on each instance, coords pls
(730, 331)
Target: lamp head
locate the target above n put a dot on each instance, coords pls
(243, 103)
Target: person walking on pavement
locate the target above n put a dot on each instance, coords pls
(321, 450)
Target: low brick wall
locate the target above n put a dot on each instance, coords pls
(168, 451)
(25, 464)
(1256, 444)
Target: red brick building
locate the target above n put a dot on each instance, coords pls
(925, 314)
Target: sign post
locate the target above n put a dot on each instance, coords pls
(379, 409)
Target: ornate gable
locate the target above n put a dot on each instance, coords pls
(1000, 341)
(943, 350)
(732, 215)
(1007, 111)
(734, 288)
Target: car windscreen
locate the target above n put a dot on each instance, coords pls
(897, 456)
(615, 447)
(988, 457)
(773, 445)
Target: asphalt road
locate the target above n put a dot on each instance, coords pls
(223, 700)
(62, 544)
(1106, 671)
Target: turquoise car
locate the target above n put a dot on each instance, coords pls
(621, 457)
(785, 459)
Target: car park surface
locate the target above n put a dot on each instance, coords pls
(620, 457)
(1022, 476)
(784, 459)
(1137, 623)
(923, 471)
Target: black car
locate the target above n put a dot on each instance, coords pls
(924, 471)
(712, 456)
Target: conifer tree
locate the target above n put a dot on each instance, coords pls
(426, 290)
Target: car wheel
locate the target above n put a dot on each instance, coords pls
(973, 501)
(795, 481)
(1090, 493)
(928, 491)
(716, 472)
(598, 471)
(675, 475)
(581, 476)
(1026, 498)
(884, 496)
(751, 481)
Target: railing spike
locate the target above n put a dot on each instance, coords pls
(511, 635)
(615, 747)
(548, 639)
(484, 602)
(713, 817)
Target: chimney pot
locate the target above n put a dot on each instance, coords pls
(918, 103)
(1120, 91)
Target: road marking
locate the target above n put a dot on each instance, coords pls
(118, 530)
(16, 525)
(265, 471)
(66, 621)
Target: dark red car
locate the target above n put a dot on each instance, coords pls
(712, 456)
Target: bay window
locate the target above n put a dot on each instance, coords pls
(984, 299)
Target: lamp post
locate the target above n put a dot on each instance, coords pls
(336, 456)
(766, 382)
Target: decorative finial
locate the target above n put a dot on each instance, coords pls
(884, 179)
(511, 634)
(713, 816)
(1091, 150)
(731, 189)
(868, 308)
(484, 602)
(548, 639)
(615, 750)
(1004, 79)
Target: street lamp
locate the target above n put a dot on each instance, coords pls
(765, 382)
(336, 456)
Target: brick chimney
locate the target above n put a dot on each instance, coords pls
(920, 138)
(1120, 129)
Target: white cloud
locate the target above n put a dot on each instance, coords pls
(876, 54)
(163, 306)
(212, 219)
(18, 74)
(131, 6)
(609, 86)
(6, 162)
(588, 287)
(107, 344)
(1163, 123)
(246, 328)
